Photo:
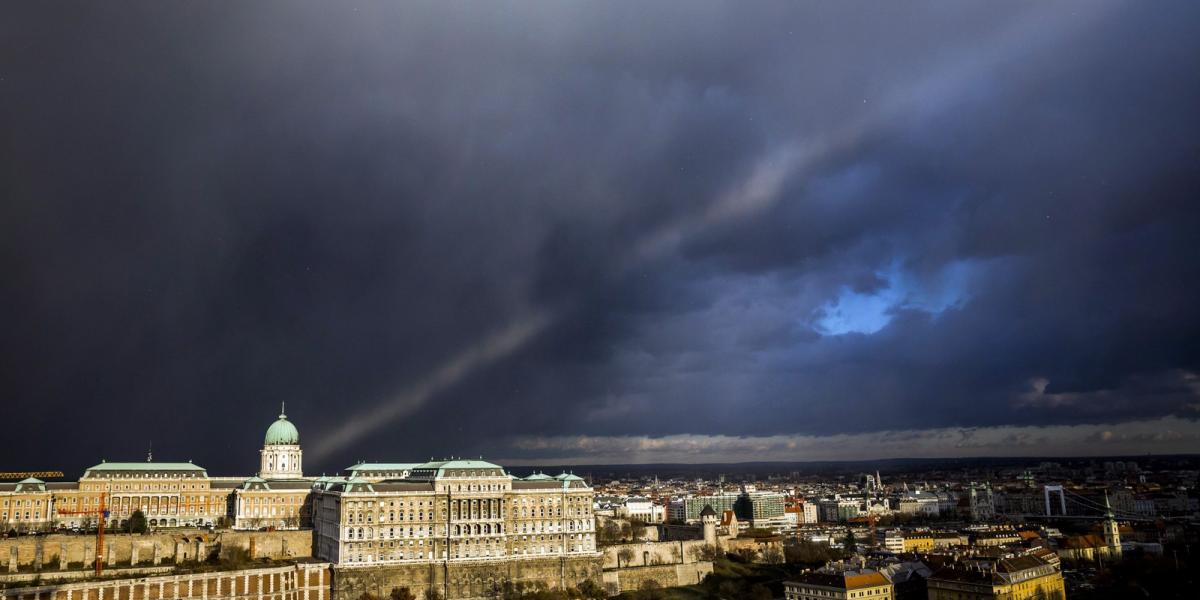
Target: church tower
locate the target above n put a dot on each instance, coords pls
(281, 454)
(1112, 533)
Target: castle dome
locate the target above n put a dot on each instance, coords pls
(282, 432)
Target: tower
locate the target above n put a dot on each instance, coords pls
(1112, 533)
(281, 454)
(708, 519)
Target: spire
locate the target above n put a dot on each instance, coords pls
(1108, 513)
(282, 412)
(150, 452)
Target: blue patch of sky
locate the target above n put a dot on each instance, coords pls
(867, 313)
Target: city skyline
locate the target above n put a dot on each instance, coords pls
(584, 233)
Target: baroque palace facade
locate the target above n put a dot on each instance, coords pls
(479, 504)
(458, 527)
(170, 494)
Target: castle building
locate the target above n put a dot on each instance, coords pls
(452, 510)
(281, 453)
(460, 528)
(279, 497)
(170, 494)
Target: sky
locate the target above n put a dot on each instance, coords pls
(623, 232)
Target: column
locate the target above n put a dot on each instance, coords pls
(37, 556)
(133, 554)
(12, 559)
(62, 557)
(157, 553)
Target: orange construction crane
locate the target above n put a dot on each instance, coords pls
(102, 513)
(28, 474)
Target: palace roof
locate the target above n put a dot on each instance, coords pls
(143, 467)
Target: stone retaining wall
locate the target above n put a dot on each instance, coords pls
(463, 579)
(632, 578)
(305, 581)
(60, 552)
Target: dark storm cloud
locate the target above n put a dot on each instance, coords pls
(984, 217)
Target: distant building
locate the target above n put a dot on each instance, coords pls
(839, 510)
(919, 503)
(642, 509)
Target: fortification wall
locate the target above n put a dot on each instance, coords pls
(63, 552)
(633, 578)
(463, 579)
(305, 581)
(653, 553)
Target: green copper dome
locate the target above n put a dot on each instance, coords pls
(282, 432)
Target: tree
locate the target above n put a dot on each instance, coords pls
(707, 552)
(850, 544)
(137, 522)
(624, 555)
(401, 593)
(650, 590)
(637, 529)
(773, 555)
(809, 553)
(590, 590)
(609, 533)
(759, 591)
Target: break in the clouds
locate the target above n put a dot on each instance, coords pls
(1161, 436)
(458, 229)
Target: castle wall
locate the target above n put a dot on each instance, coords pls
(307, 581)
(653, 553)
(61, 552)
(633, 578)
(463, 579)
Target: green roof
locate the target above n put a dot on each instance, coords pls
(438, 468)
(145, 466)
(255, 482)
(539, 477)
(36, 484)
(366, 466)
(569, 477)
(458, 464)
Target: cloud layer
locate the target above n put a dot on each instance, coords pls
(439, 229)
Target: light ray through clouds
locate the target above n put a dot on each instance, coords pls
(756, 192)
